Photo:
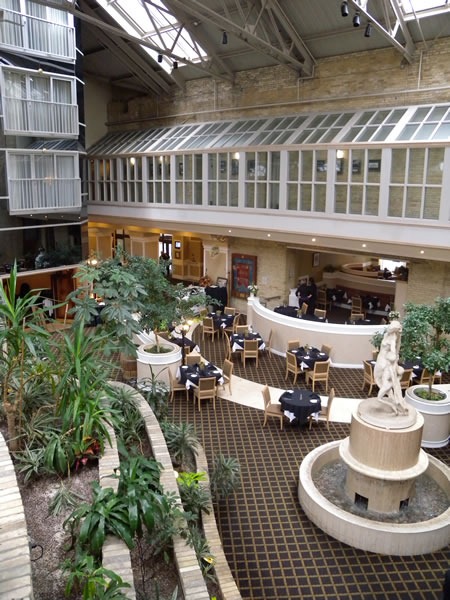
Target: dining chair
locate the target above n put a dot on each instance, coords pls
(327, 349)
(228, 350)
(375, 354)
(368, 376)
(229, 310)
(357, 306)
(321, 314)
(268, 344)
(319, 374)
(227, 374)
(250, 351)
(405, 379)
(229, 329)
(241, 329)
(293, 345)
(206, 390)
(176, 386)
(271, 409)
(304, 308)
(322, 299)
(292, 366)
(357, 316)
(324, 413)
(208, 328)
(425, 377)
(437, 377)
(193, 358)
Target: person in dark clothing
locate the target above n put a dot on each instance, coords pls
(302, 292)
(312, 296)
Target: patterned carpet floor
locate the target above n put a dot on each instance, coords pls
(274, 551)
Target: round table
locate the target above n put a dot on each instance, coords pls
(301, 403)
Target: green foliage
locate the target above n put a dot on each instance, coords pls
(63, 499)
(130, 426)
(157, 395)
(182, 441)
(95, 582)
(29, 462)
(225, 477)
(425, 331)
(195, 498)
(59, 454)
(205, 559)
(377, 338)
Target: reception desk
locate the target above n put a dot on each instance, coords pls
(351, 343)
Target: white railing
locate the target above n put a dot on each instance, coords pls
(43, 195)
(36, 36)
(42, 118)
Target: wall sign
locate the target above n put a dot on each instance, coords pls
(243, 269)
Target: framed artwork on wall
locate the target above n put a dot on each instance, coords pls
(374, 165)
(315, 259)
(243, 267)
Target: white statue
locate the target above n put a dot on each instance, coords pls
(387, 372)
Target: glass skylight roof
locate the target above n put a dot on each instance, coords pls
(420, 8)
(386, 125)
(153, 23)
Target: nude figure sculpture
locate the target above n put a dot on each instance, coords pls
(387, 372)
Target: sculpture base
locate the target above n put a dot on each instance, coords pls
(379, 414)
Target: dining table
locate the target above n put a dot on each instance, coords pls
(307, 357)
(299, 403)
(221, 321)
(288, 311)
(191, 374)
(416, 366)
(237, 340)
(186, 342)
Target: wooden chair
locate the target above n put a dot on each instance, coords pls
(250, 351)
(208, 328)
(268, 344)
(357, 306)
(327, 349)
(193, 358)
(322, 300)
(357, 316)
(229, 310)
(227, 373)
(405, 379)
(241, 329)
(424, 379)
(229, 329)
(321, 314)
(176, 386)
(324, 413)
(271, 410)
(319, 374)
(293, 345)
(437, 377)
(292, 366)
(206, 390)
(368, 376)
(304, 308)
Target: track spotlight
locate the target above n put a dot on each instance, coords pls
(224, 38)
(356, 20)
(344, 8)
(160, 57)
(368, 31)
(175, 64)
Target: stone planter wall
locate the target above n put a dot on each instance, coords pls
(158, 364)
(436, 414)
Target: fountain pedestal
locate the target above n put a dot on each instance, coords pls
(383, 457)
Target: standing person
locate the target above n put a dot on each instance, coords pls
(312, 296)
(302, 292)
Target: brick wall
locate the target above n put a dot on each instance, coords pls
(427, 281)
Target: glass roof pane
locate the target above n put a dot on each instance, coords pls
(420, 114)
(425, 132)
(437, 113)
(382, 133)
(419, 8)
(407, 132)
(154, 23)
(396, 115)
(365, 118)
(442, 132)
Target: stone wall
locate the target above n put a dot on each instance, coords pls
(427, 281)
(366, 79)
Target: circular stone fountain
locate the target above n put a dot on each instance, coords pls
(383, 461)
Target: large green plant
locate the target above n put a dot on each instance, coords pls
(25, 351)
(425, 333)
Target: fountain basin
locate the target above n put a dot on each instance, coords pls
(396, 539)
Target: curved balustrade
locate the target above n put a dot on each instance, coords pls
(351, 343)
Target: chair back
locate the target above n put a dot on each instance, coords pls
(330, 402)
(356, 304)
(269, 341)
(321, 368)
(293, 344)
(266, 396)
(425, 376)
(405, 379)
(327, 349)
(368, 370)
(304, 308)
(206, 385)
(291, 361)
(318, 312)
(192, 358)
(322, 298)
(227, 368)
(251, 347)
(241, 329)
(356, 316)
(208, 324)
(229, 310)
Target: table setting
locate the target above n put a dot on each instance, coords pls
(190, 374)
(237, 340)
(307, 356)
(221, 320)
(299, 403)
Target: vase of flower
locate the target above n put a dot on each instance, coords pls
(253, 289)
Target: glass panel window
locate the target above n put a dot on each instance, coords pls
(356, 199)
(395, 208)
(431, 204)
(413, 202)
(306, 197)
(292, 193)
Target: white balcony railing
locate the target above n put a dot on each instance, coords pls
(36, 36)
(44, 195)
(39, 118)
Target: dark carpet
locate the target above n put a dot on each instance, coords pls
(274, 551)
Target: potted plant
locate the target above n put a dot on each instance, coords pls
(425, 335)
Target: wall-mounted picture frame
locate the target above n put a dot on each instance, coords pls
(315, 259)
(321, 166)
(356, 166)
(374, 165)
(243, 267)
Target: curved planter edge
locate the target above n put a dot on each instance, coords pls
(436, 414)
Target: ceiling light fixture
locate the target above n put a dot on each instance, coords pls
(356, 19)
(368, 31)
(160, 57)
(224, 38)
(344, 8)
